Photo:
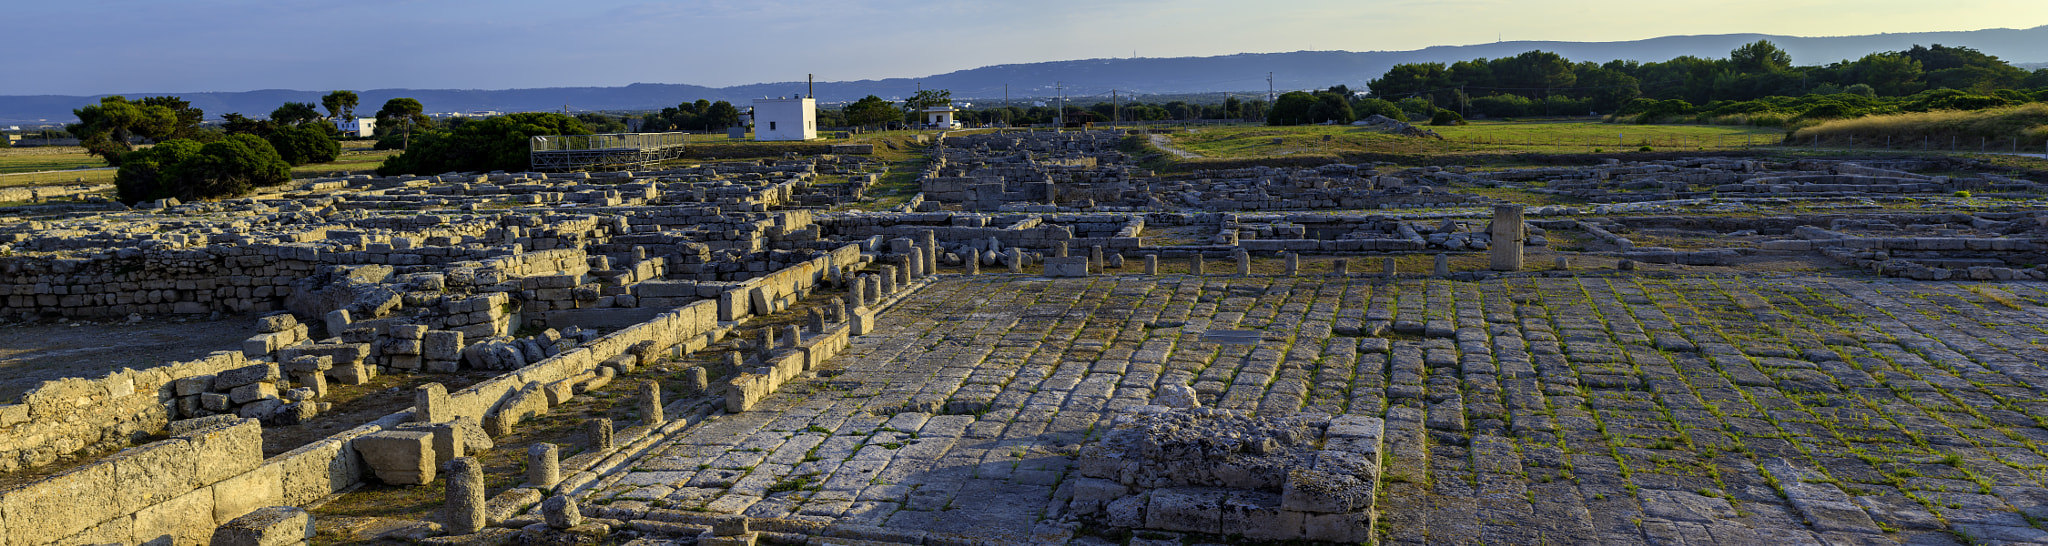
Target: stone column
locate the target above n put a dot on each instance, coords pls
(1059, 249)
(931, 252)
(1341, 268)
(792, 335)
(1506, 249)
(650, 403)
(1564, 262)
(1095, 261)
(1151, 264)
(1391, 271)
(888, 283)
(1443, 265)
(1293, 264)
(874, 291)
(913, 265)
(430, 404)
(601, 434)
(465, 506)
(1016, 260)
(1244, 262)
(543, 465)
(854, 290)
(695, 379)
(973, 262)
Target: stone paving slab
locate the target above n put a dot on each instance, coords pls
(1593, 409)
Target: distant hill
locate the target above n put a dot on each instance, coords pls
(1087, 79)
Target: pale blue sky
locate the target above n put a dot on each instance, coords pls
(123, 46)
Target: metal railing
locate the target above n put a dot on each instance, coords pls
(608, 141)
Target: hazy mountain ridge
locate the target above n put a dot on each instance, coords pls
(1085, 80)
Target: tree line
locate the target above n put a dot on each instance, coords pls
(1755, 78)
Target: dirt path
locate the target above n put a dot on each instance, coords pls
(34, 352)
(1164, 144)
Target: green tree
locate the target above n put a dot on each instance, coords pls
(1369, 107)
(1333, 107)
(105, 129)
(340, 104)
(500, 143)
(406, 113)
(1762, 56)
(306, 143)
(913, 107)
(870, 111)
(189, 118)
(1407, 80)
(238, 124)
(188, 170)
(720, 115)
(1291, 108)
(601, 123)
(1890, 74)
(294, 113)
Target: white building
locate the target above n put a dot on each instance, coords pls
(793, 118)
(359, 127)
(941, 117)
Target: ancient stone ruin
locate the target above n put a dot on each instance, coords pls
(1044, 344)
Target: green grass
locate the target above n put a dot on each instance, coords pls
(21, 167)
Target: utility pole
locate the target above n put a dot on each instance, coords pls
(1115, 108)
(1061, 123)
(1269, 88)
(1006, 105)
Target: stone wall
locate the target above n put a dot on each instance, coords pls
(67, 416)
(174, 491)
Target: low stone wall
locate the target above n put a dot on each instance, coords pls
(67, 416)
(174, 491)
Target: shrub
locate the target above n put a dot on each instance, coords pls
(189, 171)
(1446, 117)
(494, 144)
(307, 143)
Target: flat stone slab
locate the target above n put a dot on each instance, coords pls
(1593, 409)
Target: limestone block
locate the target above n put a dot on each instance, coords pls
(243, 494)
(253, 392)
(276, 323)
(413, 332)
(60, 505)
(1323, 491)
(399, 457)
(561, 512)
(1074, 266)
(225, 451)
(403, 347)
(320, 469)
(245, 375)
(528, 402)
(308, 363)
(442, 345)
(214, 402)
(353, 373)
(184, 519)
(267, 526)
(1186, 509)
(189, 386)
(152, 473)
(430, 404)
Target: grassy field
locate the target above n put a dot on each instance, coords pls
(45, 166)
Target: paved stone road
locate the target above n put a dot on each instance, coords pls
(1611, 410)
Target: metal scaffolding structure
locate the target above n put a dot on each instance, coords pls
(610, 151)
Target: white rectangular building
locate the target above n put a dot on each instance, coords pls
(359, 127)
(786, 119)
